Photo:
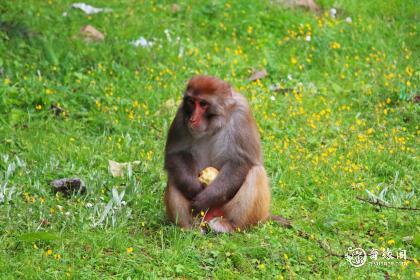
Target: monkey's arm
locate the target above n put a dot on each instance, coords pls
(181, 168)
(229, 180)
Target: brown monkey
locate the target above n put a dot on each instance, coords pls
(214, 127)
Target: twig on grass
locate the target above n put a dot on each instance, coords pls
(320, 243)
(381, 204)
(323, 245)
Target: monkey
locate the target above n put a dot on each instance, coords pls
(214, 126)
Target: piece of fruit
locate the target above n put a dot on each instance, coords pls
(207, 175)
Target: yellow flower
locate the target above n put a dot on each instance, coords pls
(409, 71)
(38, 107)
(261, 266)
(293, 60)
(57, 256)
(129, 250)
(335, 45)
(6, 82)
(131, 115)
(391, 242)
(49, 252)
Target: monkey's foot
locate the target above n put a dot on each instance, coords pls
(213, 213)
(220, 225)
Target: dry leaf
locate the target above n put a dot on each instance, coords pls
(118, 169)
(307, 4)
(91, 34)
(175, 8)
(258, 75)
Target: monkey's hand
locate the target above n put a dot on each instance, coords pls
(182, 172)
(190, 188)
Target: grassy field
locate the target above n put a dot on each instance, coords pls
(345, 125)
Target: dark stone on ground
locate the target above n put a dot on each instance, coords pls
(68, 186)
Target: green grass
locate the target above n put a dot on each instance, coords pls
(349, 126)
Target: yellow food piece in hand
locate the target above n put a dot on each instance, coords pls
(207, 175)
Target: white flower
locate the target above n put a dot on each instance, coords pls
(333, 12)
(168, 35)
(142, 42)
(349, 20)
(308, 38)
(273, 98)
(289, 76)
(181, 51)
(88, 9)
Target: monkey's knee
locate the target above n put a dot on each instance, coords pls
(178, 208)
(251, 204)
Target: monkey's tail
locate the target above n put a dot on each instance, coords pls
(281, 221)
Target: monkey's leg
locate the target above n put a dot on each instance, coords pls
(178, 207)
(251, 204)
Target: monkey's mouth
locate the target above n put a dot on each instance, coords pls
(194, 126)
(196, 130)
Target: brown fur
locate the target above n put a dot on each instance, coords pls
(229, 141)
(251, 204)
(206, 85)
(178, 208)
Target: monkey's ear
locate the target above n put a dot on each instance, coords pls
(228, 101)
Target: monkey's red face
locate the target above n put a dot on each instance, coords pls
(203, 108)
(196, 110)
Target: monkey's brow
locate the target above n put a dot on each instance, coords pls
(187, 97)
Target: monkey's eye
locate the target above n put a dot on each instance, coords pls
(203, 103)
(190, 101)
